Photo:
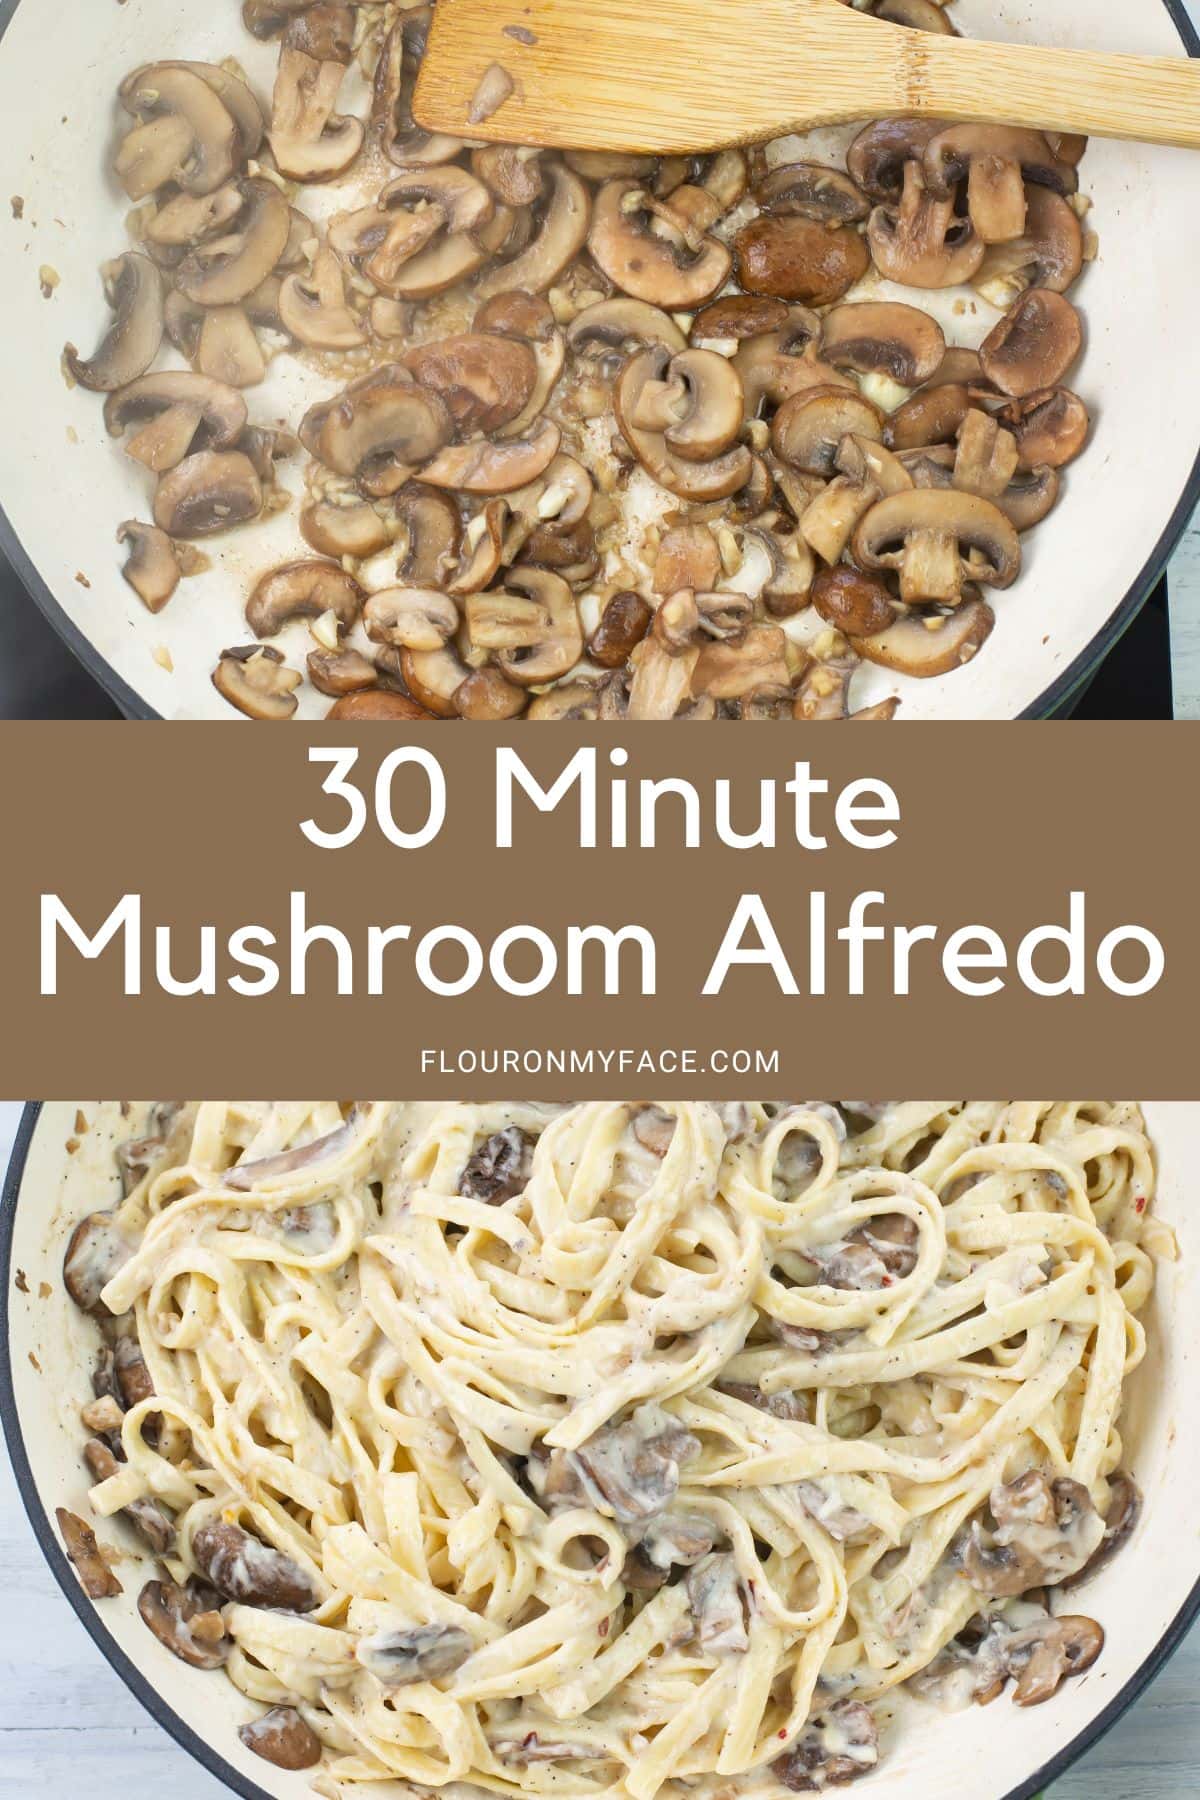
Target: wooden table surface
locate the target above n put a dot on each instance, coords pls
(69, 1728)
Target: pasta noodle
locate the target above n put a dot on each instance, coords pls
(621, 1450)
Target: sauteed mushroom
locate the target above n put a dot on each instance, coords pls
(207, 492)
(309, 140)
(797, 258)
(152, 567)
(303, 590)
(187, 1620)
(256, 680)
(283, 1738)
(133, 288)
(938, 540)
(245, 1569)
(675, 274)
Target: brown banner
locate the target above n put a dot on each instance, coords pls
(177, 850)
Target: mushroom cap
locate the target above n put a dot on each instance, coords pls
(972, 523)
(950, 152)
(303, 590)
(484, 380)
(378, 429)
(511, 172)
(616, 325)
(463, 198)
(211, 491)
(623, 624)
(738, 316)
(876, 159)
(135, 293)
(647, 266)
(808, 428)
(796, 258)
(709, 417)
(1034, 344)
(379, 703)
(854, 603)
(313, 309)
(152, 568)
(814, 191)
(931, 416)
(1029, 496)
(338, 672)
(224, 271)
(433, 677)
(174, 90)
(560, 237)
(910, 646)
(255, 679)
(487, 694)
(429, 530)
(323, 31)
(518, 315)
(883, 337)
(1050, 426)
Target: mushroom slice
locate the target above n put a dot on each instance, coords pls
(336, 530)
(616, 327)
(244, 1569)
(411, 618)
(133, 289)
(190, 409)
(1033, 345)
(338, 672)
(324, 31)
(378, 429)
(688, 557)
(434, 677)
(281, 1736)
(708, 417)
(932, 416)
(236, 97)
(737, 316)
(938, 540)
(623, 624)
(559, 645)
(172, 94)
(1050, 427)
(482, 553)
(837, 1746)
(421, 203)
(503, 621)
(914, 645)
(997, 161)
(885, 338)
(89, 1557)
(1043, 1655)
(484, 380)
(489, 696)
(186, 219)
(675, 275)
(208, 492)
(986, 459)
(96, 1250)
(429, 535)
(879, 155)
(797, 258)
(756, 663)
(391, 109)
(558, 241)
(313, 309)
(641, 380)
(228, 349)
(778, 364)
(184, 1620)
(1029, 496)
(151, 155)
(255, 679)
(225, 271)
(151, 568)
(922, 242)
(303, 590)
(829, 520)
(661, 685)
(855, 604)
(814, 192)
(310, 142)
(1047, 254)
(808, 428)
(483, 468)
(378, 703)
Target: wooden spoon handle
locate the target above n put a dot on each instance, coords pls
(1155, 99)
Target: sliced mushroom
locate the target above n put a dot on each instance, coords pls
(838, 1745)
(281, 1736)
(1029, 496)
(187, 219)
(208, 492)
(146, 1516)
(1047, 254)
(715, 1599)
(815, 192)
(90, 1559)
(378, 703)
(753, 664)
(1124, 1511)
(641, 380)
(187, 1620)
(256, 680)
(421, 241)
(735, 317)
(808, 429)
(688, 557)
(675, 272)
(483, 468)
(176, 412)
(879, 155)
(152, 567)
(355, 529)
(1045, 1529)
(986, 459)
(338, 672)
(434, 677)
(997, 161)
(883, 337)
(309, 140)
(133, 289)
(245, 1569)
(1050, 426)
(482, 551)
(487, 695)
(558, 643)
(323, 31)
(932, 416)
(484, 380)
(421, 1653)
(313, 308)
(411, 618)
(558, 241)
(225, 271)
(97, 1249)
(915, 15)
(1033, 345)
(1042, 1656)
(303, 590)
(797, 258)
(696, 404)
(186, 134)
(391, 112)
(512, 172)
(938, 540)
(378, 430)
(429, 534)
(616, 327)
(921, 241)
(853, 603)
(623, 624)
(228, 349)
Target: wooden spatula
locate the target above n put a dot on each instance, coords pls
(672, 75)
